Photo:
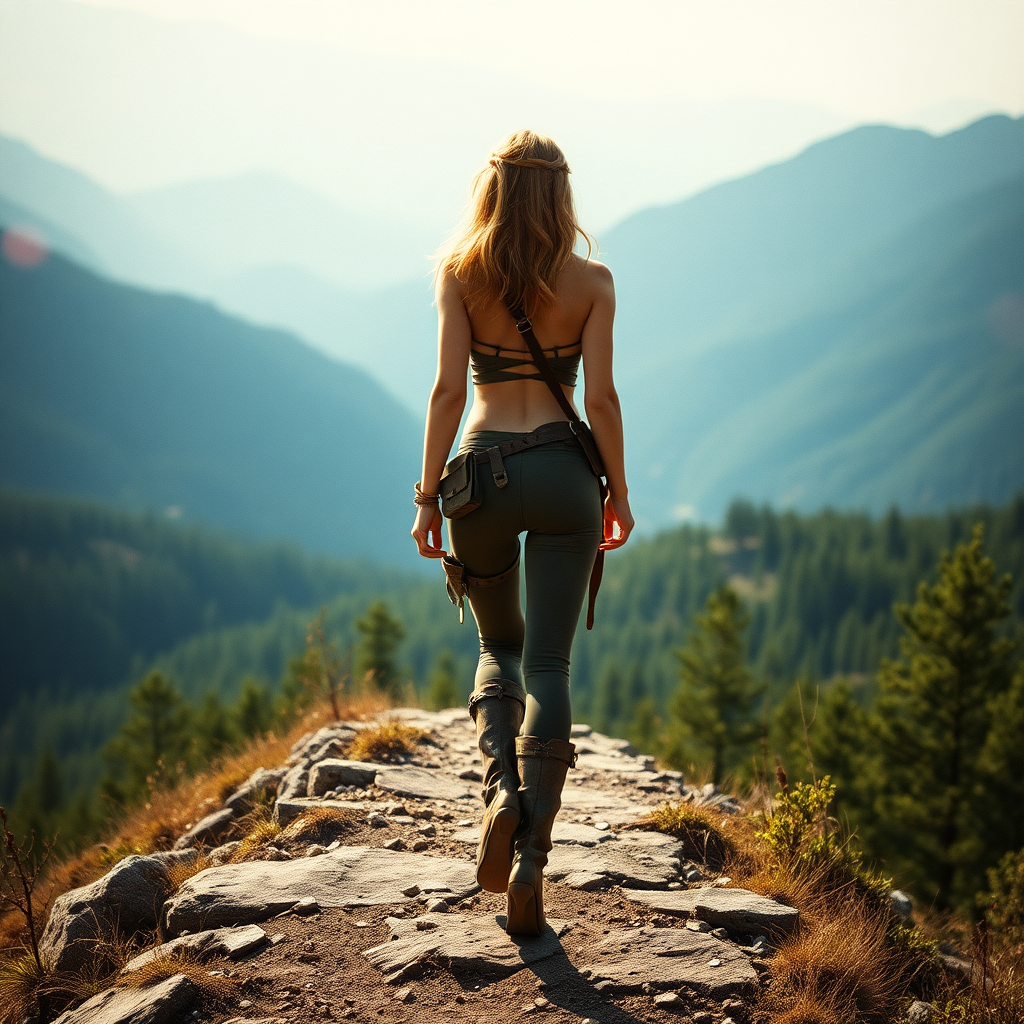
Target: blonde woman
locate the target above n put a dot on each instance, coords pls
(534, 477)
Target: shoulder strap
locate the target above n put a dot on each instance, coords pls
(525, 329)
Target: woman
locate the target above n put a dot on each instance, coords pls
(517, 253)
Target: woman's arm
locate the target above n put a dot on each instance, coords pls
(601, 402)
(444, 412)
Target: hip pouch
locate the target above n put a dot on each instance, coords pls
(460, 487)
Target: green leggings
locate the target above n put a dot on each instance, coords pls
(554, 497)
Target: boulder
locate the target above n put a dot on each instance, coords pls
(641, 959)
(125, 900)
(209, 831)
(260, 787)
(233, 943)
(351, 876)
(294, 783)
(167, 1002)
(920, 1013)
(737, 910)
(466, 945)
(325, 775)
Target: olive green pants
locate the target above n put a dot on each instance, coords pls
(554, 498)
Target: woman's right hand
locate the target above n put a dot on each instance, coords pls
(616, 514)
(427, 527)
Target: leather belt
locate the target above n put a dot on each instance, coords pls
(560, 430)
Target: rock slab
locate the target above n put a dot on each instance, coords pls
(125, 900)
(641, 859)
(465, 944)
(168, 1002)
(351, 876)
(233, 943)
(325, 775)
(738, 910)
(669, 958)
(425, 783)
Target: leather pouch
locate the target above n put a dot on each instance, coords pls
(460, 487)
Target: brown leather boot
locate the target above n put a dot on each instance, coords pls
(497, 708)
(542, 768)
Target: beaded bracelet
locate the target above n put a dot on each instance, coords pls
(421, 498)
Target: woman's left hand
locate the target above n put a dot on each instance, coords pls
(616, 514)
(427, 528)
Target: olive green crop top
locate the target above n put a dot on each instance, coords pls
(494, 368)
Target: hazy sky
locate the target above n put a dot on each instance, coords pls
(390, 105)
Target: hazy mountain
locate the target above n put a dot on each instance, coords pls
(79, 208)
(391, 333)
(261, 219)
(155, 401)
(731, 304)
(901, 381)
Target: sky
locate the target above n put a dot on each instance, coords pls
(390, 106)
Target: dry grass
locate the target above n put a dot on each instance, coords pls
(168, 813)
(20, 982)
(181, 871)
(215, 987)
(260, 829)
(319, 825)
(385, 742)
(703, 833)
(840, 969)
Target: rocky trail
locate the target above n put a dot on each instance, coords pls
(360, 903)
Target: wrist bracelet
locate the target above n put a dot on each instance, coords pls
(420, 498)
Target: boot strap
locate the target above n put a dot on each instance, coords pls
(559, 750)
(496, 690)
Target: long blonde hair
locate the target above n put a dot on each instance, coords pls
(522, 225)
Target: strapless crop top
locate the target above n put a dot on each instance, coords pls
(494, 368)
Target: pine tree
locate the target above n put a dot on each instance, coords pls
(443, 691)
(608, 707)
(213, 728)
(645, 728)
(151, 748)
(717, 700)
(254, 712)
(933, 718)
(375, 653)
(1002, 769)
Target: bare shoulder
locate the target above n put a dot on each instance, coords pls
(448, 289)
(597, 278)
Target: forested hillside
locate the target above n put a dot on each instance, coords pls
(89, 596)
(158, 401)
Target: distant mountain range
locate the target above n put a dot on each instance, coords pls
(842, 328)
(163, 402)
(261, 220)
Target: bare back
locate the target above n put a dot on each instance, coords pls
(575, 322)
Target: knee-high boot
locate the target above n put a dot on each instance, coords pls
(498, 708)
(542, 768)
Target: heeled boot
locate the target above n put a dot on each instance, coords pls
(497, 708)
(542, 768)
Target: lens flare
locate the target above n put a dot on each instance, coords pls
(23, 246)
